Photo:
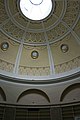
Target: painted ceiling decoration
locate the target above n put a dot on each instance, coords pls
(39, 45)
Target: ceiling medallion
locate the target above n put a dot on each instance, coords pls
(34, 54)
(4, 46)
(64, 48)
(36, 9)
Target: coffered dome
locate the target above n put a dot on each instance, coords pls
(39, 40)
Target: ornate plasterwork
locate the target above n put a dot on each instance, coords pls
(12, 20)
(67, 66)
(6, 66)
(41, 71)
(34, 71)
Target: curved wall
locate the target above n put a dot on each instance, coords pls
(41, 94)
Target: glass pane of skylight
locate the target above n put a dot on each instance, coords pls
(36, 9)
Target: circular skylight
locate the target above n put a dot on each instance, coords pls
(36, 9)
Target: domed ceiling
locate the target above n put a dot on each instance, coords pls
(39, 45)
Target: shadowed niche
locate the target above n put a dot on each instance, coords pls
(69, 89)
(32, 91)
(2, 94)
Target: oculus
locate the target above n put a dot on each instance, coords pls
(36, 9)
(4, 46)
(64, 48)
(34, 54)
